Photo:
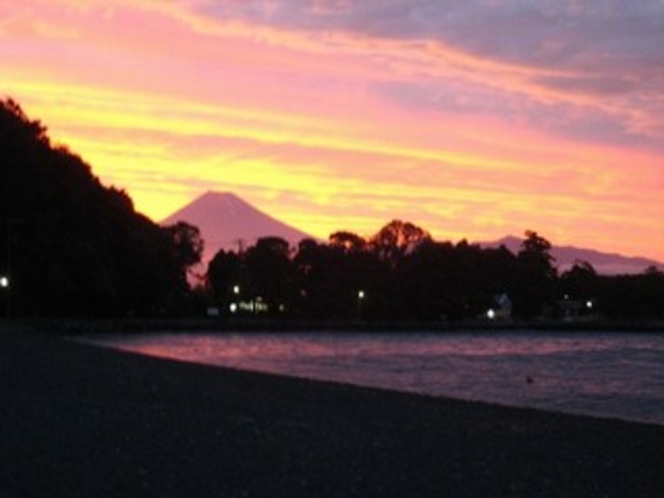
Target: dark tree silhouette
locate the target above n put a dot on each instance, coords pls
(348, 241)
(314, 269)
(580, 281)
(187, 242)
(536, 253)
(71, 246)
(633, 296)
(397, 239)
(76, 247)
(537, 276)
(404, 275)
(226, 279)
(271, 274)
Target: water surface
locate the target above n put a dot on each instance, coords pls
(601, 374)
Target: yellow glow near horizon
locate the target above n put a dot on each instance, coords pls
(341, 128)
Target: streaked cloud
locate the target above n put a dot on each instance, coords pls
(474, 118)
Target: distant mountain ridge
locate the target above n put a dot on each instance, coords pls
(566, 256)
(230, 223)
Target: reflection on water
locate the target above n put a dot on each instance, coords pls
(614, 375)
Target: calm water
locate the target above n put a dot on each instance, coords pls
(610, 375)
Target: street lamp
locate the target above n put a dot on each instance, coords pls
(360, 298)
(235, 305)
(4, 284)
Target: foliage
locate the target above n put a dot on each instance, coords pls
(396, 239)
(187, 242)
(537, 276)
(404, 274)
(400, 276)
(73, 246)
(633, 296)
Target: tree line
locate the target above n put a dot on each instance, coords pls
(73, 247)
(401, 273)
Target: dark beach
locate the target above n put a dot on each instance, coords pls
(83, 421)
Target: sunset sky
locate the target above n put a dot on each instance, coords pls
(473, 119)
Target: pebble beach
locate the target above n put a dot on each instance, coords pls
(83, 421)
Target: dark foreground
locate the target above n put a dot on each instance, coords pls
(81, 421)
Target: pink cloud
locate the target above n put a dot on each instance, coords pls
(472, 118)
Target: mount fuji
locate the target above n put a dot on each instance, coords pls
(229, 223)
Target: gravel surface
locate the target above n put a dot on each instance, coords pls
(83, 421)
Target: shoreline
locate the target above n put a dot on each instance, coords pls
(630, 405)
(80, 420)
(74, 326)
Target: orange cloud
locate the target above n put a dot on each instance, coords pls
(338, 128)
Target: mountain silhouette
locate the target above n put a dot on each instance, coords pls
(603, 263)
(228, 222)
